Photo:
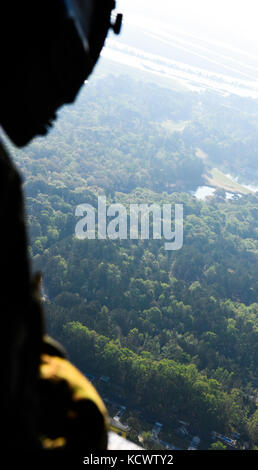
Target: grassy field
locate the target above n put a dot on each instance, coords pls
(218, 179)
(172, 126)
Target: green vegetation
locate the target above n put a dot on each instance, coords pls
(176, 331)
(218, 446)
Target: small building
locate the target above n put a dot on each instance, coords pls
(156, 430)
(196, 440)
(120, 412)
(183, 423)
(104, 379)
(194, 443)
(158, 425)
(226, 440)
(182, 430)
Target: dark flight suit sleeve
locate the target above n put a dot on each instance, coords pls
(35, 401)
(21, 320)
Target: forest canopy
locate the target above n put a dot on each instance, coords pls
(176, 330)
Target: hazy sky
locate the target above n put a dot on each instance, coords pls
(234, 19)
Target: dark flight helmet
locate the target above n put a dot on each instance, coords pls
(48, 49)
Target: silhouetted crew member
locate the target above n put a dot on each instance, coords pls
(48, 49)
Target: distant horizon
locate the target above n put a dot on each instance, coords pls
(199, 45)
(234, 21)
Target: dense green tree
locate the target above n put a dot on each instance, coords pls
(218, 446)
